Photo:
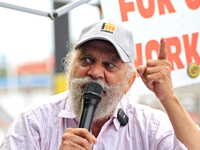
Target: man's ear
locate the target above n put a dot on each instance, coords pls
(130, 82)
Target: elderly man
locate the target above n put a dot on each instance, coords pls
(105, 54)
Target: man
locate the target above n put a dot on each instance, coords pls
(105, 54)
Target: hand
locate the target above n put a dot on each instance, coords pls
(156, 75)
(77, 138)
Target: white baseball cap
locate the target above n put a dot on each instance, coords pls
(115, 33)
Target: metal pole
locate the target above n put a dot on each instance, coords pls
(24, 9)
(53, 15)
(64, 9)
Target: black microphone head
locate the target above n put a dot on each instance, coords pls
(93, 90)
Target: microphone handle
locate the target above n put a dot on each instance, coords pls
(87, 115)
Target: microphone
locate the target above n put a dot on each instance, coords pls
(90, 100)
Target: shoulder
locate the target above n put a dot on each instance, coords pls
(141, 112)
(144, 118)
(47, 104)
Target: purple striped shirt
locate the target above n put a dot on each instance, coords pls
(41, 128)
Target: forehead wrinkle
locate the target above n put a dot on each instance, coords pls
(82, 52)
(114, 57)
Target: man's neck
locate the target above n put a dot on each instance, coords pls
(97, 125)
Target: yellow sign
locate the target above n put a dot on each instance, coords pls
(60, 83)
(193, 70)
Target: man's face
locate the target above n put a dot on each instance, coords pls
(98, 61)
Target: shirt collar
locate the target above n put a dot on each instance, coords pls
(67, 111)
(115, 120)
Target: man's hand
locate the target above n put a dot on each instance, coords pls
(156, 75)
(77, 138)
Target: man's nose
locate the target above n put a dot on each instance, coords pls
(96, 71)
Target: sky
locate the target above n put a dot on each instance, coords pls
(24, 36)
(28, 37)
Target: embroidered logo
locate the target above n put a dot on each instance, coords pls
(108, 27)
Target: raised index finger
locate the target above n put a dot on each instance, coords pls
(162, 54)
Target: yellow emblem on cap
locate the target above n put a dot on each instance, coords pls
(108, 27)
(193, 70)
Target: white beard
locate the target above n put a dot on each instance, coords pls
(108, 104)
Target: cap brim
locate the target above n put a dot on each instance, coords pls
(120, 51)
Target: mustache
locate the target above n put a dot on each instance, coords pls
(82, 82)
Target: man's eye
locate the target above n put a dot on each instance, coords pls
(86, 59)
(109, 65)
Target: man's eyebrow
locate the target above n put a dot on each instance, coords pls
(113, 58)
(85, 53)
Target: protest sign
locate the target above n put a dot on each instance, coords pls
(149, 20)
